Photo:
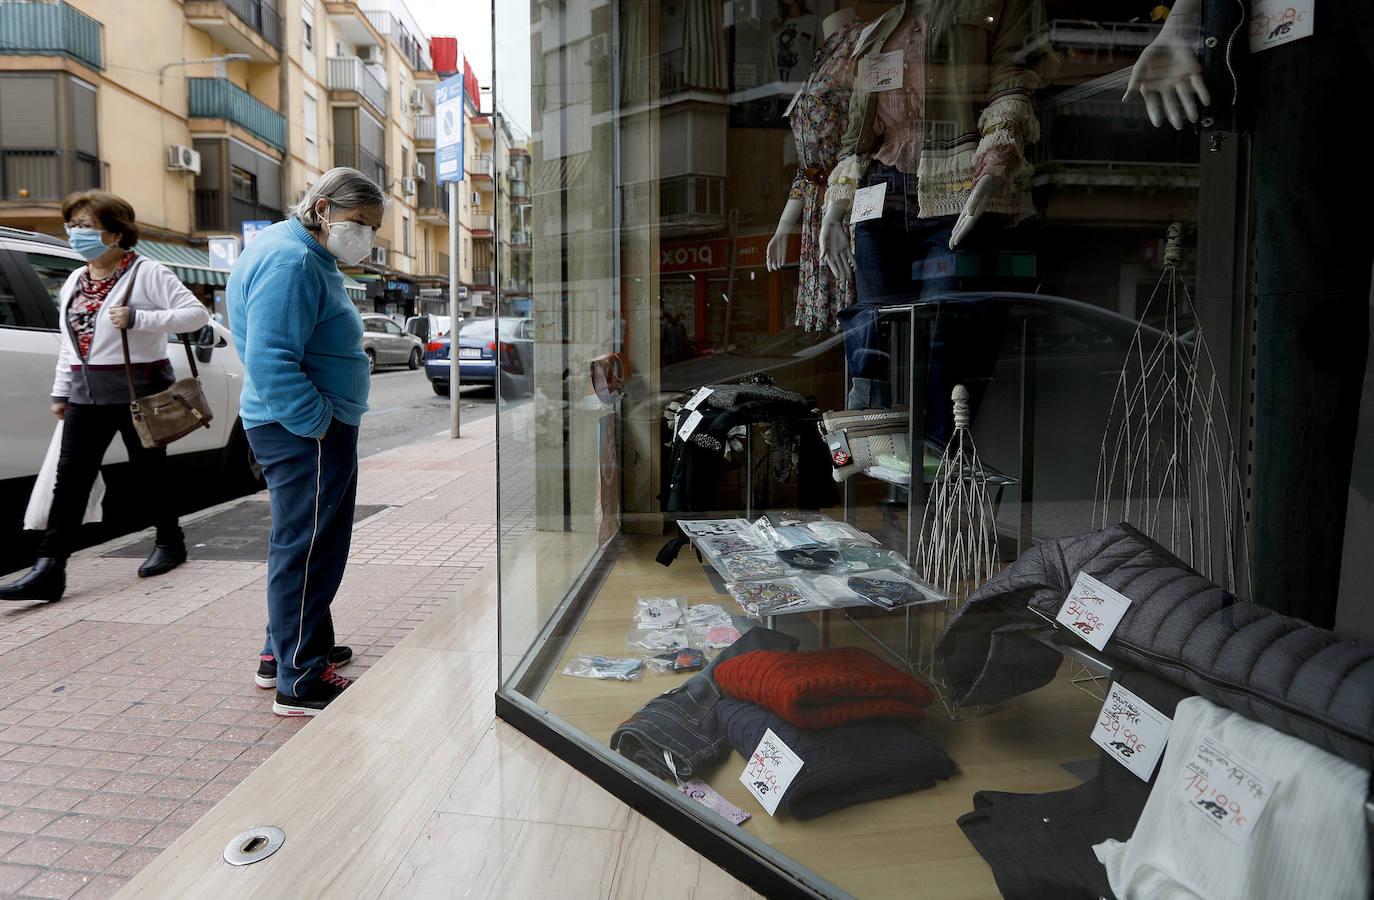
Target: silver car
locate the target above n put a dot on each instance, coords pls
(387, 345)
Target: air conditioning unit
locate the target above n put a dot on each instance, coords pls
(181, 158)
(600, 46)
(417, 98)
(420, 171)
(370, 54)
(379, 255)
(476, 198)
(408, 186)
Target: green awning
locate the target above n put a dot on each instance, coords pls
(190, 264)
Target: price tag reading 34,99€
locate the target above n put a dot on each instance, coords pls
(1092, 610)
(1228, 792)
(770, 771)
(1131, 731)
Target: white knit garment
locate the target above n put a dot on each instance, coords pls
(1309, 842)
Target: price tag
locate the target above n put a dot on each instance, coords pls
(839, 449)
(707, 796)
(864, 35)
(690, 425)
(770, 771)
(1132, 731)
(868, 202)
(1225, 790)
(883, 72)
(697, 398)
(1274, 23)
(1092, 610)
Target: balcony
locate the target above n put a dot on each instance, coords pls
(50, 29)
(481, 173)
(348, 75)
(413, 50)
(352, 23)
(216, 211)
(220, 98)
(520, 190)
(481, 225)
(365, 161)
(31, 176)
(434, 263)
(424, 129)
(520, 240)
(242, 26)
(482, 280)
(432, 202)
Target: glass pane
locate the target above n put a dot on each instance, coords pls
(53, 271)
(859, 332)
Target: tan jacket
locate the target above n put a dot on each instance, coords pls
(984, 60)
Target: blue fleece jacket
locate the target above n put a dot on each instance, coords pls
(298, 334)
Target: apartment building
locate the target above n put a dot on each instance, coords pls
(209, 114)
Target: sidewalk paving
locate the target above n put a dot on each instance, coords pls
(128, 709)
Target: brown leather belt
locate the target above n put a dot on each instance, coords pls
(815, 174)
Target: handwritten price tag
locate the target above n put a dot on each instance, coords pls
(868, 202)
(1274, 23)
(883, 72)
(1132, 731)
(1228, 792)
(770, 771)
(690, 425)
(1092, 610)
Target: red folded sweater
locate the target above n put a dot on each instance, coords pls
(824, 688)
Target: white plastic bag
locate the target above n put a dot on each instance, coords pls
(40, 501)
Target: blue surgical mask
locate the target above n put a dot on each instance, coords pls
(87, 242)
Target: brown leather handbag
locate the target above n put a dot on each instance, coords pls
(168, 415)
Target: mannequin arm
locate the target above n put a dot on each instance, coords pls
(787, 224)
(835, 250)
(1168, 73)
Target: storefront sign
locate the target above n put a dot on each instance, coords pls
(1228, 792)
(693, 257)
(1277, 22)
(868, 203)
(1092, 610)
(883, 72)
(770, 771)
(1131, 731)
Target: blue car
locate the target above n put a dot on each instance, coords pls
(479, 351)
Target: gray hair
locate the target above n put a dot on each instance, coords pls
(344, 188)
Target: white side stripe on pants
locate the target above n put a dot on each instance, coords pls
(305, 578)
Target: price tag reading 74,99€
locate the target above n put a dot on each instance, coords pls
(1131, 731)
(1092, 610)
(1228, 792)
(770, 771)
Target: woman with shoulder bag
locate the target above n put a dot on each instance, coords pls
(116, 291)
(305, 386)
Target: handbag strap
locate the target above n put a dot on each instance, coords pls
(124, 338)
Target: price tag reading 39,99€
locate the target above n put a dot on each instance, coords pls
(1092, 610)
(1131, 731)
(1228, 792)
(770, 771)
(868, 202)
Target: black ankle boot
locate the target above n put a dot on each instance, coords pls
(45, 582)
(164, 558)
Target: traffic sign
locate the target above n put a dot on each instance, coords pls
(251, 228)
(224, 252)
(449, 109)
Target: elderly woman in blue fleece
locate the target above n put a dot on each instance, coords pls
(304, 393)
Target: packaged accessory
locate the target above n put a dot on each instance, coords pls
(704, 615)
(656, 640)
(728, 545)
(856, 438)
(683, 659)
(718, 637)
(658, 612)
(832, 532)
(701, 528)
(857, 558)
(887, 592)
(766, 598)
(608, 668)
(168, 415)
(753, 566)
(811, 559)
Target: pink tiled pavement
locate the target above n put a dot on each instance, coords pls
(128, 709)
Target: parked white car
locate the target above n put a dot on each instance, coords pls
(33, 268)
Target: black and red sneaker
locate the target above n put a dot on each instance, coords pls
(267, 666)
(317, 696)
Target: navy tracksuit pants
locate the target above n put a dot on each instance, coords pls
(312, 487)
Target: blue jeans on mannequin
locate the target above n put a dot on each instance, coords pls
(312, 486)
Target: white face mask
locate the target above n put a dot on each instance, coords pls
(351, 242)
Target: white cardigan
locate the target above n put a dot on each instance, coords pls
(161, 305)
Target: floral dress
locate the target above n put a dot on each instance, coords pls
(818, 119)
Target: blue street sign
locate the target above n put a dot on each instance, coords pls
(251, 229)
(224, 252)
(448, 129)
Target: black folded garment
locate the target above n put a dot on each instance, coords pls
(854, 763)
(1041, 845)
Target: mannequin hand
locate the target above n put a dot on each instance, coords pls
(987, 188)
(777, 250)
(1169, 76)
(119, 316)
(835, 250)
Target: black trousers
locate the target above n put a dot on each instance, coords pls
(86, 434)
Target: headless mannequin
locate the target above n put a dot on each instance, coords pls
(837, 253)
(792, 212)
